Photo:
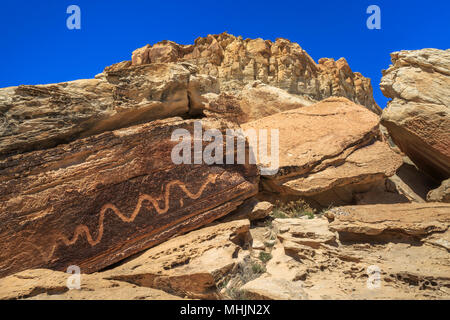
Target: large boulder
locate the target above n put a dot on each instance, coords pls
(103, 198)
(328, 145)
(418, 116)
(43, 116)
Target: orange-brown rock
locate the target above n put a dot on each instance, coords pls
(328, 145)
(103, 198)
(236, 62)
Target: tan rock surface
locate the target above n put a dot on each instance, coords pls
(441, 194)
(407, 267)
(101, 199)
(236, 62)
(418, 116)
(414, 219)
(327, 145)
(255, 101)
(190, 265)
(44, 284)
(271, 288)
(43, 116)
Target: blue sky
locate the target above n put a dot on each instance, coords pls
(36, 47)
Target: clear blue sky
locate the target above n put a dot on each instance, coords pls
(36, 46)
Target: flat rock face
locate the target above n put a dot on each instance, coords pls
(255, 101)
(101, 199)
(283, 64)
(366, 252)
(418, 116)
(190, 265)
(43, 116)
(414, 219)
(327, 145)
(44, 284)
(271, 288)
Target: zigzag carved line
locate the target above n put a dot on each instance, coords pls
(83, 229)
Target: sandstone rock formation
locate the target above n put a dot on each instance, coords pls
(365, 252)
(101, 199)
(236, 62)
(251, 209)
(441, 194)
(404, 246)
(44, 284)
(87, 178)
(43, 116)
(412, 221)
(418, 116)
(331, 144)
(191, 265)
(255, 101)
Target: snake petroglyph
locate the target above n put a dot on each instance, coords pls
(82, 229)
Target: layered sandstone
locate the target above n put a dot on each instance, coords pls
(191, 265)
(101, 199)
(44, 284)
(43, 116)
(418, 116)
(328, 145)
(235, 62)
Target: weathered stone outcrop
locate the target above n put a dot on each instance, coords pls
(366, 252)
(416, 220)
(330, 144)
(236, 62)
(418, 116)
(43, 116)
(44, 284)
(255, 101)
(191, 265)
(441, 194)
(101, 199)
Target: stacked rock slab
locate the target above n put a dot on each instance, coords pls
(43, 116)
(332, 144)
(103, 198)
(418, 116)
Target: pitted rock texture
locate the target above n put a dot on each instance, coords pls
(101, 199)
(190, 265)
(255, 101)
(236, 62)
(331, 144)
(418, 116)
(441, 194)
(43, 116)
(44, 284)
